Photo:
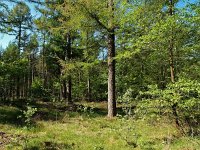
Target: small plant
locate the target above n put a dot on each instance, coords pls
(27, 115)
(127, 102)
(86, 109)
(98, 148)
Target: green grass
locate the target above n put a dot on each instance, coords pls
(88, 130)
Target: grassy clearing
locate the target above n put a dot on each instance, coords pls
(90, 130)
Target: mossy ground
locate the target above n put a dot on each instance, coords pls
(89, 129)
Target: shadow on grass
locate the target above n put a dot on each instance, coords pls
(9, 115)
(55, 113)
(93, 112)
(47, 111)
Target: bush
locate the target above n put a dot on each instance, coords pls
(127, 102)
(27, 115)
(182, 99)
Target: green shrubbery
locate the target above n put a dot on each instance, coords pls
(27, 115)
(180, 100)
(127, 101)
(39, 91)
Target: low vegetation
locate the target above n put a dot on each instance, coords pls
(87, 128)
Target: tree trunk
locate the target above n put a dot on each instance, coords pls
(89, 72)
(43, 61)
(24, 87)
(19, 47)
(69, 55)
(172, 69)
(171, 47)
(17, 87)
(111, 63)
(69, 90)
(88, 88)
(64, 93)
(29, 75)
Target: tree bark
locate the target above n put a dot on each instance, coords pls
(19, 47)
(89, 72)
(64, 91)
(171, 60)
(171, 47)
(29, 75)
(69, 80)
(111, 63)
(43, 61)
(88, 88)
(172, 68)
(69, 90)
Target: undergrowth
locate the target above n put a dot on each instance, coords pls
(83, 130)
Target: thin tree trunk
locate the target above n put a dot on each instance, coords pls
(171, 46)
(17, 87)
(24, 86)
(19, 47)
(13, 88)
(64, 92)
(10, 92)
(172, 69)
(111, 63)
(29, 76)
(60, 92)
(88, 88)
(69, 90)
(69, 79)
(43, 61)
(162, 80)
(88, 79)
(32, 74)
(19, 39)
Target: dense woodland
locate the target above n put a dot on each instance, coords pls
(141, 58)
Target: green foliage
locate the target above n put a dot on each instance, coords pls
(27, 115)
(183, 94)
(127, 102)
(86, 110)
(98, 133)
(20, 17)
(38, 90)
(71, 43)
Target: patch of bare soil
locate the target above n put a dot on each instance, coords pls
(6, 138)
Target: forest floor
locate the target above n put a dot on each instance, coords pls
(88, 128)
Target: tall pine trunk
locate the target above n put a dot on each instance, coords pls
(69, 79)
(64, 90)
(19, 47)
(88, 87)
(43, 61)
(111, 63)
(88, 71)
(69, 90)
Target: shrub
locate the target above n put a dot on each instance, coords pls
(182, 99)
(127, 101)
(27, 115)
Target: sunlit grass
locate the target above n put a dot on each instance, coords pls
(86, 131)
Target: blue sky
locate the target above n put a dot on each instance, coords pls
(5, 39)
